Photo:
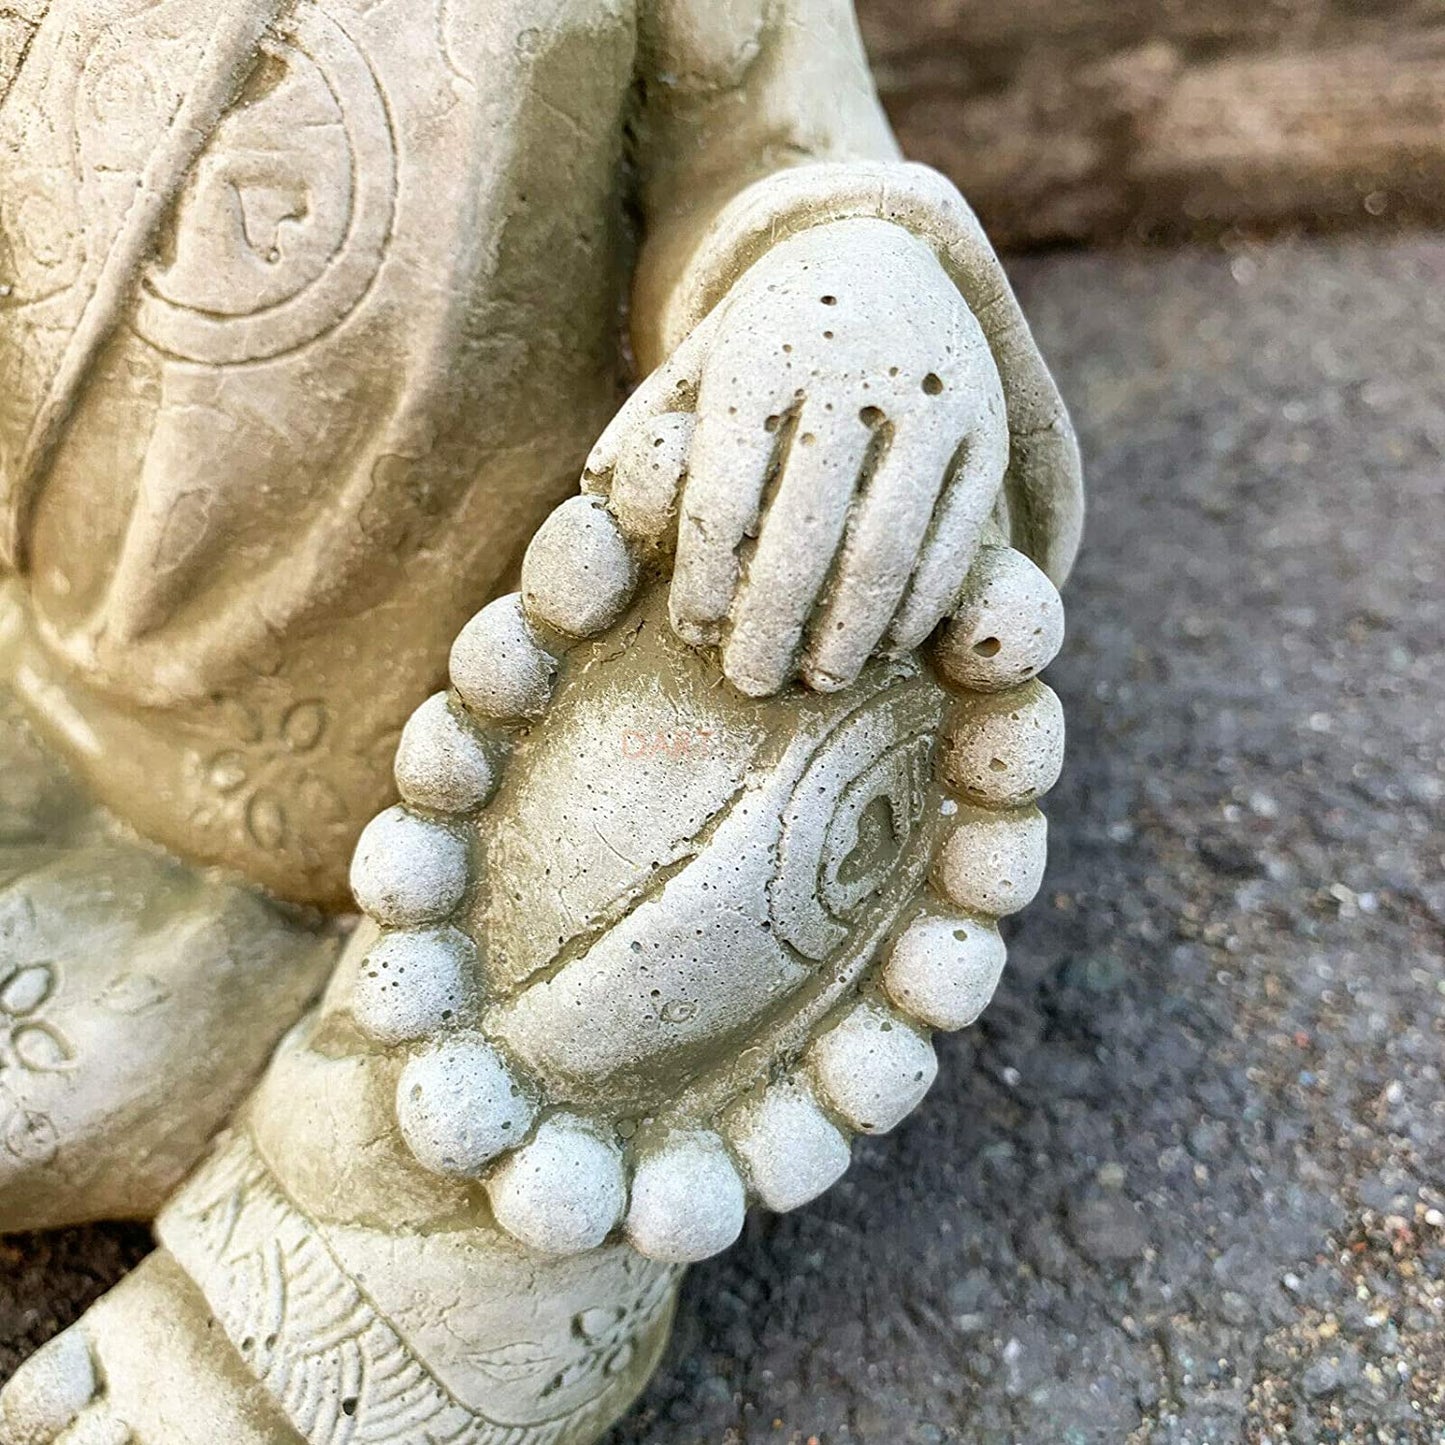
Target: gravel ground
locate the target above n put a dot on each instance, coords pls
(1186, 1182)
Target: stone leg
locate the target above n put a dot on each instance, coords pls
(139, 999)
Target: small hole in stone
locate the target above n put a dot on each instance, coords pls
(870, 416)
(998, 765)
(932, 384)
(988, 647)
(829, 300)
(961, 935)
(348, 1405)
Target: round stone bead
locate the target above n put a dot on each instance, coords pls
(943, 971)
(578, 574)
(993, 862)
(498, 667)
(872, 1068)
(790, 1150)
(688, 1201)
(414, 984)
(441, 763)
(1008, 625)
(561, 1192)
(1006, 748)
(407, 870)
(459, 1106)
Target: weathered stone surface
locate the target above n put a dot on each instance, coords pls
(1227, 1048)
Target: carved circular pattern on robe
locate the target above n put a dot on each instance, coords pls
(285, 219)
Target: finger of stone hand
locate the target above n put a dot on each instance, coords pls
(672, 387)
(733, 454)
(887, 529)
(959, 520)
(800, 534)
(647, 479)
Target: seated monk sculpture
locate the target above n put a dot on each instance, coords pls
(309, 323)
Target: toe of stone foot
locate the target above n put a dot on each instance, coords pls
(57, 1397)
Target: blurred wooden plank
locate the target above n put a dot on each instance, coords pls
(1108, 121)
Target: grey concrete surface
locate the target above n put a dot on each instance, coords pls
(1186, 1183)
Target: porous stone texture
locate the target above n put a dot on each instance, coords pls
(687, 1200)
(1183, 1182)
(414, 983)
(407, 870)
(440, 762)
(1198, 1122)
(790, 1149)
(497, 664)
(1009, 749)
(872, 1069)
(578, 575)
(943, 970)
(563, 1191)
(1009, 624)
(459, 1107)
(993, 862)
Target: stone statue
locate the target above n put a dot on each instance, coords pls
(308, 320)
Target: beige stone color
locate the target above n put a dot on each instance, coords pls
(714, 777)
(308, 316)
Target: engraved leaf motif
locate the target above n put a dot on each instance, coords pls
(41, 1047)
(27, 989)
(30, 1136)
(133, 993)
(521, 1360)
(266, 819)
(303, 725)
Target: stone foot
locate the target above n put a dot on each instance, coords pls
(146, 1366)
(139, 1000)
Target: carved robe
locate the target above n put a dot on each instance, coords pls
(308, 315)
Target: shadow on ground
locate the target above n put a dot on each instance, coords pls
(1184, 1183)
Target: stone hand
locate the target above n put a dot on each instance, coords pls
(649, 946)
(841, 445)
